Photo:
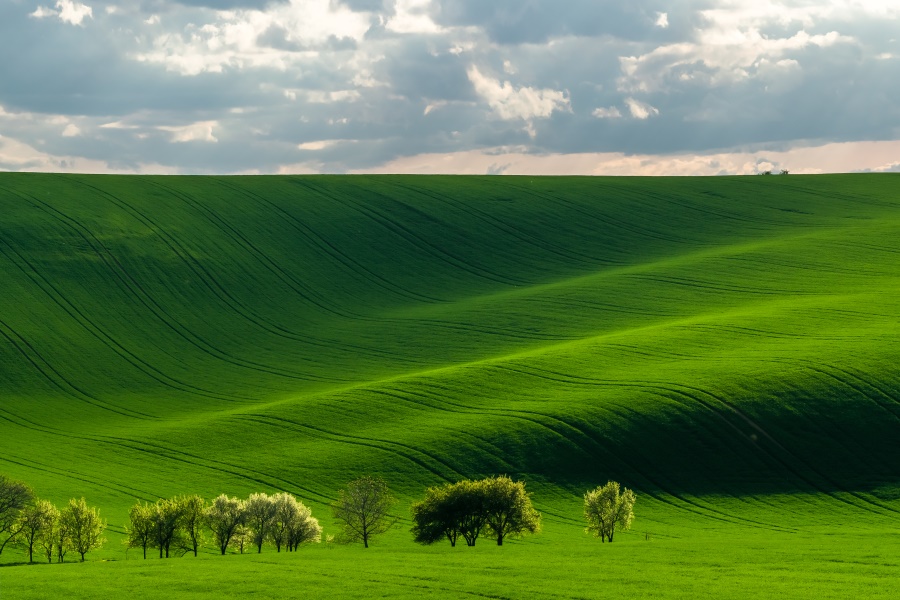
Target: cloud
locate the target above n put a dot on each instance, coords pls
(194, 132)
(510, 103)
(275, 82)
(640, 110)
(607, 113)
(68, 11)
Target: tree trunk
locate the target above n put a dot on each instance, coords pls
(82, 555)
(145, 552)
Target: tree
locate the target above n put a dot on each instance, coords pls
(362, 509)
(62, 538)
(223, 518)
(14, 497)
(260, 511)
(303, 529)
(293, 523)
(451, 510)
(49, 534)
(434, 517)
(243, 537)
(193, 513)
(507, 508)
(84, 525)
(165, 519)
(605, 509)
(35, 519)
(140, 531)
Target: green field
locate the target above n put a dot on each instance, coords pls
(727, 347)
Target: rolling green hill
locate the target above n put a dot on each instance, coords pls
(725, 346)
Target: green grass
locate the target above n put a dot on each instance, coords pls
(725, 346)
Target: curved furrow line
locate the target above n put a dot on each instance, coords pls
(302, 290)
(218, 290)
(649, 387)
(754, 223)
(823, 369)
(102, 336)
(561, 251)
(867, 504)
(488, 447)
(415, 240)
(69, 389)
(330, 249)
(495, 331)
(696, 283)
(604, 219)
(599, 306)
(536, 418)
(178, 249)
(408, 451)
(218, 466)
(767, 262)
(134, 289)
(70, 474)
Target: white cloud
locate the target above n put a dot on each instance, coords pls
(510, 103)
(73, 12)
(318, 144)
(662, 20)
(232, 39)
(201, 131)
(152, 20)
(640, 110)
(412, 16)
(607, 113)
(68, 11)
(71, 130)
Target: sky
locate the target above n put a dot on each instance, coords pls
(591, 87)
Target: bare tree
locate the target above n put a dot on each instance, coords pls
(14, 497)
(224, 516)
(260, 510)
(85, 528)
(605, 509)
(35, 520)
(362, 509)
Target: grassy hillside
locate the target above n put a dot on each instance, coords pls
(726, 346)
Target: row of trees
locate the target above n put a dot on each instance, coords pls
(39, 526)
(178, 525)
(495, 507)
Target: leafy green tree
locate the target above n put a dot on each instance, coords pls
(62, 537)
(260, 510)
(433, 518)
(49, 534)
(448, 511)
(139, 533)
(304, 528)
(224, 516)
(14, 497)
(293, 523)
(507, 508)
(166, 520)
(243, 537)
(605, 509)
(35, 519)
(362, 509)
(84, 526)
(193, 515)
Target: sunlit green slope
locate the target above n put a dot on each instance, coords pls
(731, 338)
